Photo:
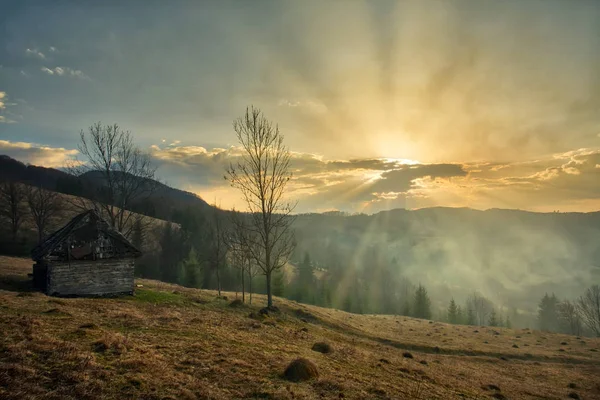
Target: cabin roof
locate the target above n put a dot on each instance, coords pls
(89, 218)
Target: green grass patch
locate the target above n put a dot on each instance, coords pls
(158, 297)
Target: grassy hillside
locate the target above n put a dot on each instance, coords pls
(169, 342)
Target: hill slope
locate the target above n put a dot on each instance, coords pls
(163, 201)
(172, 342)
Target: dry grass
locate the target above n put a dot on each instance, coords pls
(170, 342)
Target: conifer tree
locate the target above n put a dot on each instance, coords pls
(460, 317)
(278, 283)
(422, 304)
(306, 281)
(471, 318)
(192, 276)
(493, 320)
(452, 312)
(548, 314)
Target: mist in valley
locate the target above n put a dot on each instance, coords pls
(513, 258)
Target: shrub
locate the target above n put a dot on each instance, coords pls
(322, 347)
(300, 370)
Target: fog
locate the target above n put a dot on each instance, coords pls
(511, 257)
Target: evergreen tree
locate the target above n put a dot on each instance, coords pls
(471, 317)
(493, 321)
(191, 269)
(306, 281)
(171, 254)
(548, 314)
(406, 309)
(422, 303)
(508, 324)
(460, 317)
(278, 283)
(452, 312)
(137, 234)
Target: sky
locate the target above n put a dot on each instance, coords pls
(384, 104)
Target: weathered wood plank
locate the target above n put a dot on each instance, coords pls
(91, 278)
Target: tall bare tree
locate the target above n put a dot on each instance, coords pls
(12, 206)
(44, 206)
(589, 308)
(262, 176)
(119, 175)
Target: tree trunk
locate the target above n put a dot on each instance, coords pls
(243, 287)
(269, 294)
(218, 280)
(250, 284)
(40, 234)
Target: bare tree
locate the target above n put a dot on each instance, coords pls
(589, 308)
(481, 306)
(12, 207)
(237, 250)
(241, 254)
(262, 176)
(569, 318)
(118, 174)
(44, 206)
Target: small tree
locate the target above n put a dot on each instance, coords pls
(12, 207)
(508, 324)
(471, 317)
(493, 320)
(588, 306)
(406, 309)
(452, 312)
(262, 176)
(422, 303)
(547, 313)
(191, 268)
(118, 176)
(306, 280)
(460, 315)
(278, 283)
(44, 205)
(569, 318)
(481, 307)
(218, 242)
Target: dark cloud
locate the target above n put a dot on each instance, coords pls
(401, 179)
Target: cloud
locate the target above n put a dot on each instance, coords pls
(316, 183)
(64, 71)
(309, 105)
(5, 119)
(566, 181)
(37, 154)
(35, 53)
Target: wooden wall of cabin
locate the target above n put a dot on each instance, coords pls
(91, 278)
(40, 270)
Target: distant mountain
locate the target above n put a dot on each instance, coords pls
(48, 178)
(164, 201)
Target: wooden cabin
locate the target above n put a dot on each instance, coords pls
(86, 257)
